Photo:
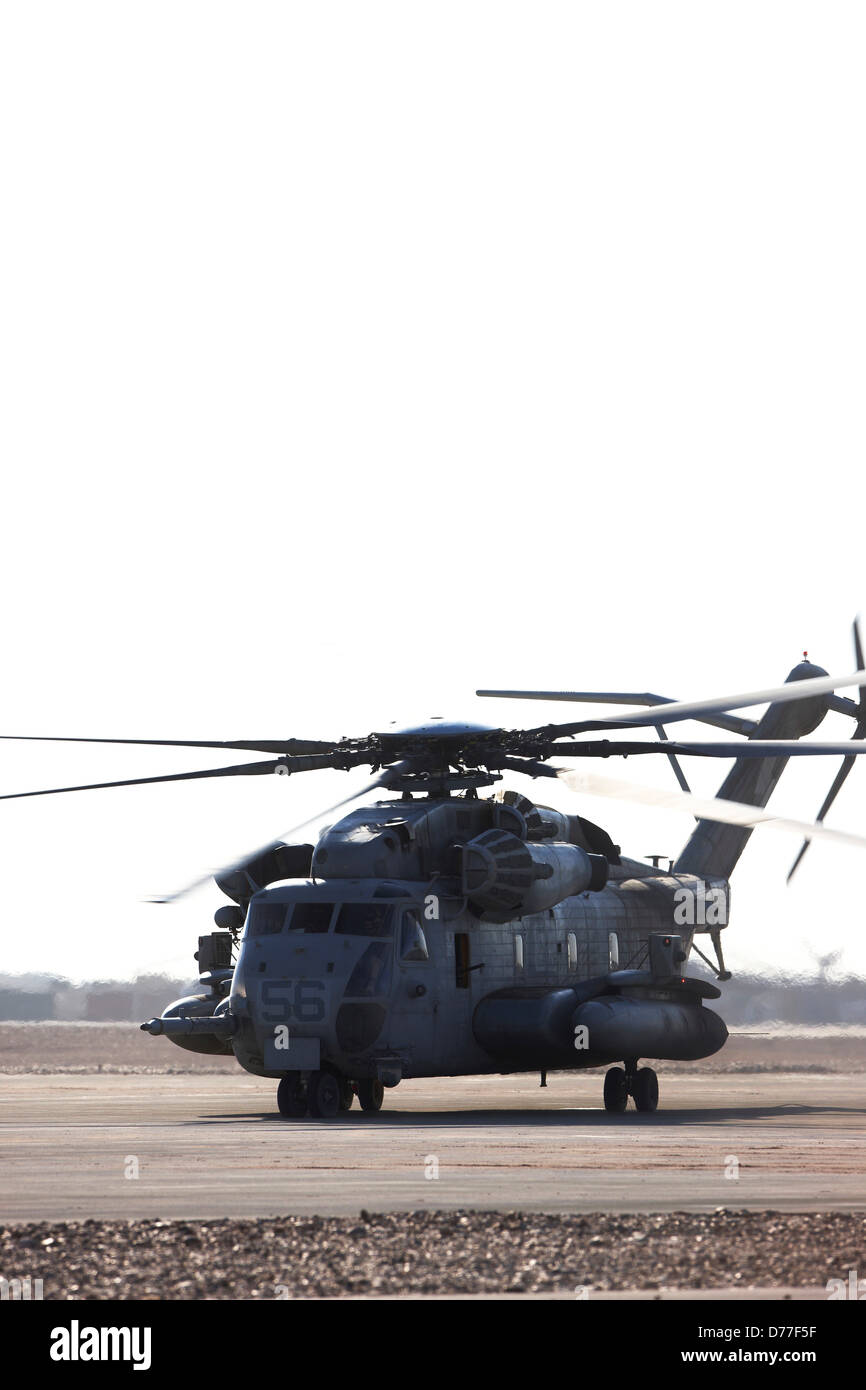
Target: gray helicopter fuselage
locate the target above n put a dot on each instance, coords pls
(397, 978)
(440, 934)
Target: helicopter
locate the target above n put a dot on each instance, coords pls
(442, 932)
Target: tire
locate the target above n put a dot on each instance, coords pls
(291, 1097)
(371, 1093)
(323, 1091)
(347, 1094)
(646, 1090)
(615, 1090)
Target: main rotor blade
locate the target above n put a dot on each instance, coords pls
(704, 748)
(699, 748)
(239, 770)
(528, 766)
(241, 864)
(291, 746)
(764, 748)
(704, 808)
(687, 709)
(387, 775)
(732, 723)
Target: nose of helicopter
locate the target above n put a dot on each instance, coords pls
(313, 979)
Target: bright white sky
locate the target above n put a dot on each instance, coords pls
(357, 356)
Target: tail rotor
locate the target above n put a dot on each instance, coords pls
(858, 712)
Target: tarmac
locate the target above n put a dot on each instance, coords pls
(204, 1146)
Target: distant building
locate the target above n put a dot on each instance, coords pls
(23, 1006)
(109, 1006)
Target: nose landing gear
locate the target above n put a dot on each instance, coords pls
(324, 1094)
(292, 1097)
(641, 1083)
(321, 1095)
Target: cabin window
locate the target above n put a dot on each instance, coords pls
(365, 919)
(311, 917)
(413, 943)
(571, 941)
(613, 950)
(518, 952)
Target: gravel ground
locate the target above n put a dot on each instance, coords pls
(432, 1253)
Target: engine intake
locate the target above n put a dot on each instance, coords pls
(504, 877)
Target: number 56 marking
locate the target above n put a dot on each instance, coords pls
(301, 1000)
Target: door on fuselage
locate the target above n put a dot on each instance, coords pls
(414, 1002)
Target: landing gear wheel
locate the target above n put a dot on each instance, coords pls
(615, 1090)
(323, 1091)
(291, 1097)
(347, 1094)
(645, 1089)
(371, 1093)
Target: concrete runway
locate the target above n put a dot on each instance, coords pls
(207, 1146)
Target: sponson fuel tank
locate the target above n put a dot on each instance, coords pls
(677, 1030)
(540, 1027)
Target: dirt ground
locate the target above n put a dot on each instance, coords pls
(122, 1047)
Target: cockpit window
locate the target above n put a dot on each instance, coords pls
(413, 943)
(266, 918)
(311, 917)
(365, 919)
(372, 974)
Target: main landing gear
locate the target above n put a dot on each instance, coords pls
(641, 1083)
(371, 1093)
(325, 1094)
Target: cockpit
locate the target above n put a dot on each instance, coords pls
(381, 921)
(344, 919)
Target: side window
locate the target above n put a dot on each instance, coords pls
(572, 950)
(413, 943)
(518, 951)
(613, 950)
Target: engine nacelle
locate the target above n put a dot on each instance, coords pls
(505, 877)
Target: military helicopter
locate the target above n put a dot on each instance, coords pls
(440, 932)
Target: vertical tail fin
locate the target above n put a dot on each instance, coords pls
(713, 849)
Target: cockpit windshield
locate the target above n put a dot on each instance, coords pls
(311, 917)
(266, 919)
(365, 919)
(353, 919)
